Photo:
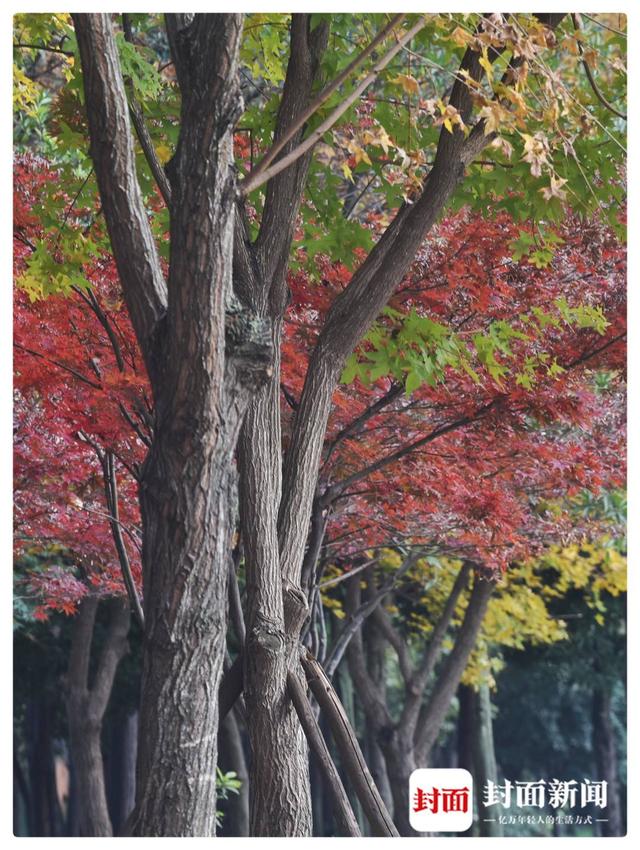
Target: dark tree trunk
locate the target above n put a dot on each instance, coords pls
(86, 704)
(467, 699)
(121, 768)
(232, 757)
(604, 746)
(44, 814)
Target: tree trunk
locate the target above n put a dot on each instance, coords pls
(465, 734)
(236, 818)
(435, 710)
(280, 790)
(121, 768)
(205, 355)
(400, 757)
(86, 704)
(484, 757)
(604, 745)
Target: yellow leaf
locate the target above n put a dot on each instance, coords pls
(408, 83)
(461, 37)
(164, 153)
(486, 64)
(347, 171)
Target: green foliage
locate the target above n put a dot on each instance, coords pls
(417, 350)
(226, 784)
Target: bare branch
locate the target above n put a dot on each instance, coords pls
(342, 807)
(253, 182)
(353, 760)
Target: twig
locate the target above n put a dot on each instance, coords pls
(257, 178)
(575, 17)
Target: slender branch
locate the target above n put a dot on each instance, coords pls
(90, 299)
(111, 491)
(24, 45)
(257, 172)
(354, 426)
(433, 650)
(352, 758)
(254, 180)
(60, 365)
(575, 17)
(137, 118)
(343, 812)
(333, 491)
(355, 619)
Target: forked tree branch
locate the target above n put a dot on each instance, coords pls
(251, 182)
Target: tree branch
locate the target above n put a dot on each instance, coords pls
(352, 758)
(256, 180)
(357, 617)
(343, 812)
(315, 104)
(433, 713)
(430, 657)
(146, 143)
(113, 157)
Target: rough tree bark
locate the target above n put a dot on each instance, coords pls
(279, 780)
(86, 704)
(205, 354)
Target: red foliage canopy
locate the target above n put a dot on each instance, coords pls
(475, 468)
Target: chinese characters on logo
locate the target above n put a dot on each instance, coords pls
(557, 794)
(441, 800)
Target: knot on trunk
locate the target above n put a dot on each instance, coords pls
(249, 345)
(296, 610)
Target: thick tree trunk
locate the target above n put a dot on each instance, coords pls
(86, 704)
(205, 355)
(604, 745)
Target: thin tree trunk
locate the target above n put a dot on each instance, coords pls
(465, 731)
(484, 758)
(604, 746)
(435, 710)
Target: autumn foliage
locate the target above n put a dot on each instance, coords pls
(479, 465)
